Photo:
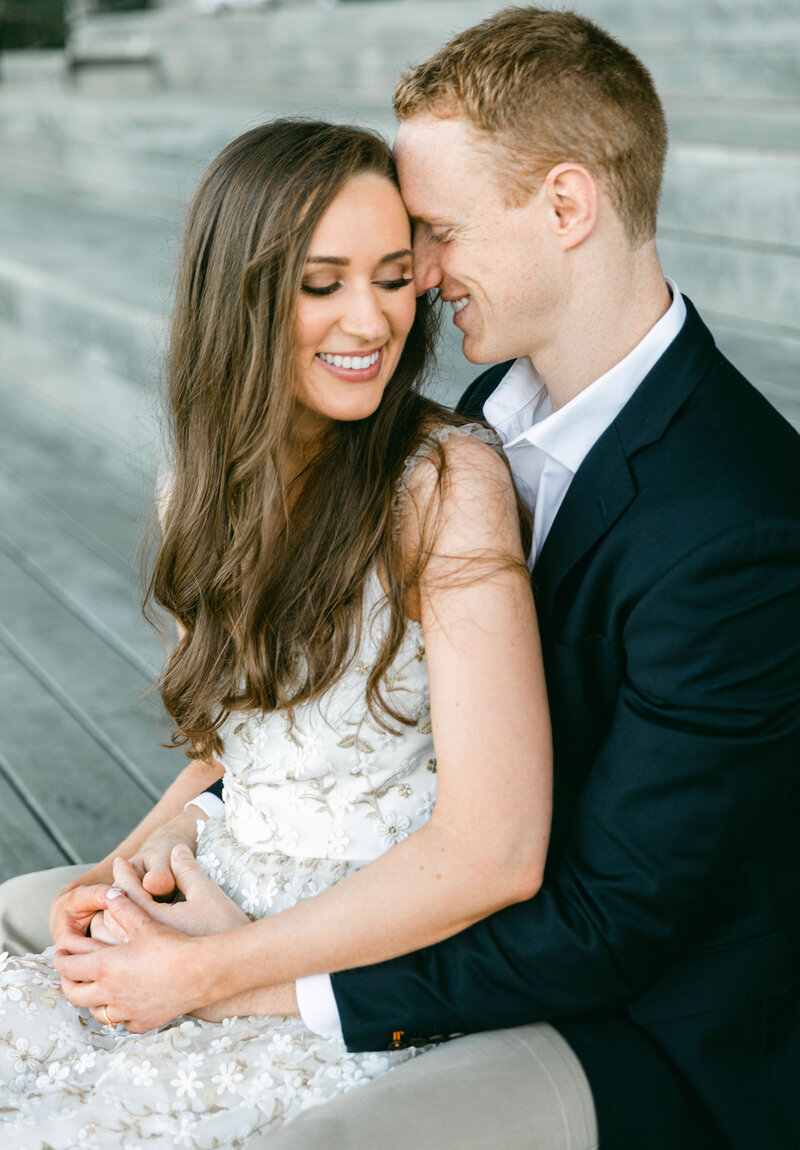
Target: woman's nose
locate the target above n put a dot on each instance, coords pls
(365, 317)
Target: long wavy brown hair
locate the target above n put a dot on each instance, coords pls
(264, 571)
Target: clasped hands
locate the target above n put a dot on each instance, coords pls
(134, 960)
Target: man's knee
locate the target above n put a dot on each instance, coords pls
(522, 1089)
(25, 908)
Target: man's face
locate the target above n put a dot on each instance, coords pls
(496, 265)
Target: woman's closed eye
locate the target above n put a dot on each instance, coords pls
(395, 285)
(325, 289)
(329, 289)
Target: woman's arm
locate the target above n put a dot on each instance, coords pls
(148, 846)
(484, 846)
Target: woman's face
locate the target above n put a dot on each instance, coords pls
(356, 304)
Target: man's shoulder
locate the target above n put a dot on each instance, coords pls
(698, 426)
(731, 429)
(726, 462)
(473, 399)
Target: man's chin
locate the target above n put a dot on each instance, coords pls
(472, 350)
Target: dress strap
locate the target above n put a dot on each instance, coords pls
(434, 438)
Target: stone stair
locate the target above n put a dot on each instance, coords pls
(101, 147)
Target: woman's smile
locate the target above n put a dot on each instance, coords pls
(355, 366)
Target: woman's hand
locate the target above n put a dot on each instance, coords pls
(152, 861)
(72, 914)
(159, 972)
(153, 977)
(204, 909)
(100, 930)
(148, 845)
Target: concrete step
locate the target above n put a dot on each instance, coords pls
(83, 293)
(748, 282)
(700, 49)
(149, 149)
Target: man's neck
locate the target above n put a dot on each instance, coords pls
(605, 321)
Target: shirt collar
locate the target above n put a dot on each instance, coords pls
(520, 409)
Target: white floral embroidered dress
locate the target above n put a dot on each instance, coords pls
(307, 801)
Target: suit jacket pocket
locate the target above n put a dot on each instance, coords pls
(718, 979)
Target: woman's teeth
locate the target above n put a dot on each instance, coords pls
(355, 362)
(458, 304)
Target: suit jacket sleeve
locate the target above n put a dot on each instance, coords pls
(700, 758)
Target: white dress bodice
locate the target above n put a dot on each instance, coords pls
(310, 797)
(331, 782)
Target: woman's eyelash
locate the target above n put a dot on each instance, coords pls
(329, 289)
(393, 285)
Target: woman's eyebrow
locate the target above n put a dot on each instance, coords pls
(343, 261)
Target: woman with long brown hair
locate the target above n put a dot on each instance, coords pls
(344, 559)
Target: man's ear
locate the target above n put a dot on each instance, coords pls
(571, 192)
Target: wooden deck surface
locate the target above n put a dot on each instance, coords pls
(80, 760)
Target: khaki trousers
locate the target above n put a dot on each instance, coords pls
(520, 1089)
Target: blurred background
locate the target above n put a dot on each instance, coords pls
(109, 111)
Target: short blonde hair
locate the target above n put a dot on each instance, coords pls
(552, 87)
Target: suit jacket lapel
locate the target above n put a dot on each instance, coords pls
(604, 484)
(601, 490)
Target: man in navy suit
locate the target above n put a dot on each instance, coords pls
(650, 989)
(666, 566)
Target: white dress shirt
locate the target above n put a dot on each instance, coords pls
(544, 450)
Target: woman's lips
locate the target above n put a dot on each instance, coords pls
(354, 374)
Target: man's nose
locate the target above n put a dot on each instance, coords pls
(427, 272)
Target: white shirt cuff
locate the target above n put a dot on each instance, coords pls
(209, 804)
(317, 1005)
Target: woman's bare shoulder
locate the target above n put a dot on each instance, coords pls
(456, 460)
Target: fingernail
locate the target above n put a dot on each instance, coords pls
(182, 852)
(115, 892)
(126, 938)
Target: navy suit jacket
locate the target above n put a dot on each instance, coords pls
(664, 943)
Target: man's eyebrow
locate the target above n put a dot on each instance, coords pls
(343, 261)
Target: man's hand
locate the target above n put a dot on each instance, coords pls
(152, 861)
(157, 975)
(204, 909)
